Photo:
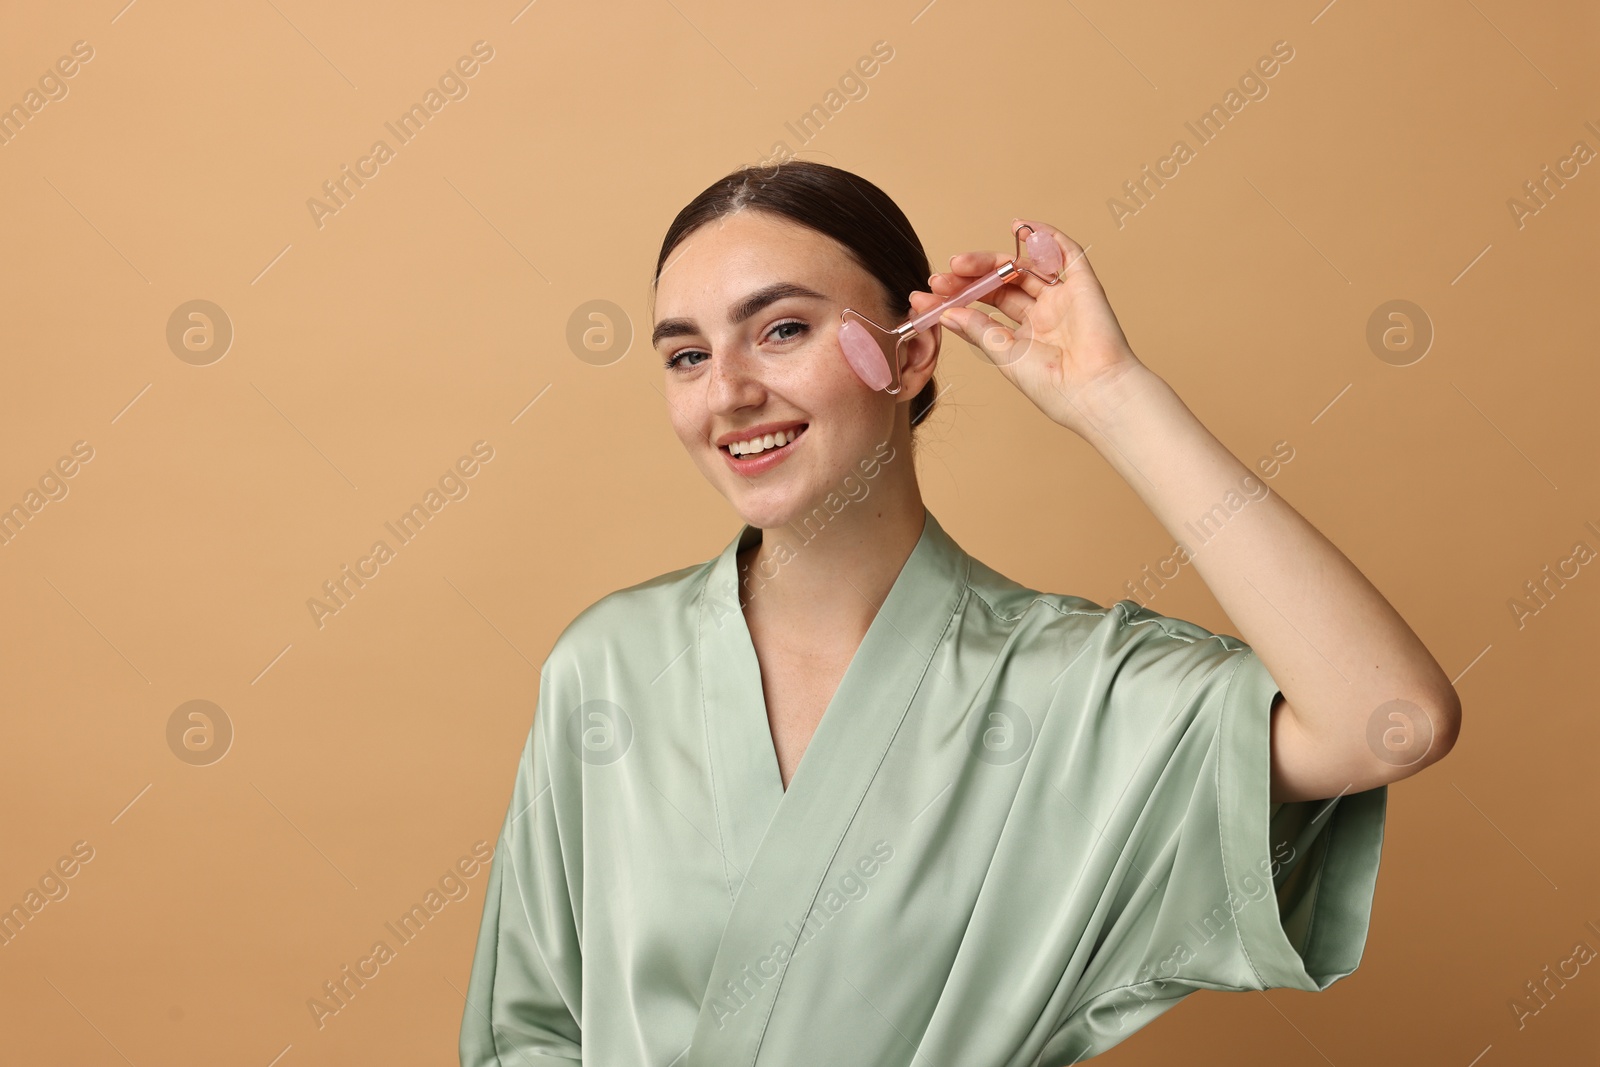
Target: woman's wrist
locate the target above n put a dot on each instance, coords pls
(1108, 408)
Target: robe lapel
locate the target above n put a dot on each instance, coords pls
(747, 787)
(778, 846)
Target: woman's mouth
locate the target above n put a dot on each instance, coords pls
(758, 454)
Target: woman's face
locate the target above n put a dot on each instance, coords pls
(747, 320)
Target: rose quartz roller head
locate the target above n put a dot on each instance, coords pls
(868, 358)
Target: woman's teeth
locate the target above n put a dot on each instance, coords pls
(761, 444)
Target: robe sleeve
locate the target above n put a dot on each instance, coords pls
(524, 996)
(1220, 888)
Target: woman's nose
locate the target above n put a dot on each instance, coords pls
(735, 380)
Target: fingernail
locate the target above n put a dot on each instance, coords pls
(947, 318)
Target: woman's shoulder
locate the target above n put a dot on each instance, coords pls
(1124, 624)
(1009, 601)
(636, 616)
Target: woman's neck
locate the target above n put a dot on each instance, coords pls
(827, 572)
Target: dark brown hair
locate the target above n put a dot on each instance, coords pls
(836, 203)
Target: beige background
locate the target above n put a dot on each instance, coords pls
(370, 754)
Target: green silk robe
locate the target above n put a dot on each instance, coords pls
(1025, 826)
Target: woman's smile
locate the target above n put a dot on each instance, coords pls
(760, 448)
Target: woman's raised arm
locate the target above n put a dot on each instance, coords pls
(1364, 702)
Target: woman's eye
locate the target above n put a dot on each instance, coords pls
(796, 329)
(674, 359)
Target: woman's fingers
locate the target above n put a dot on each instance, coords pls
(1010, 299)
(1013, 297)
(1076, 273)
(973, 265)
(1072, 252)
(968, 267)
(995, 342)
(1018, 295)
(976, 263)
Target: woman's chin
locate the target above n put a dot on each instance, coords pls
(769, 511)
(765, 517)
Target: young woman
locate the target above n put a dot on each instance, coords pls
(845, 795)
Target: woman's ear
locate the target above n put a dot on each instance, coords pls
(920, 358)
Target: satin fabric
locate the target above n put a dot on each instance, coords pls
(1026, 825)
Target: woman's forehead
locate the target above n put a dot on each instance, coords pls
(724, 265)
(752, 239)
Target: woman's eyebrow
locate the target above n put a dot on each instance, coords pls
(739, 312)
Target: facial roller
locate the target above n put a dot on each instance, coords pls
(867, 357)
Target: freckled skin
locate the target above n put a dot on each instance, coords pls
(757, 374)
(807, 626)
